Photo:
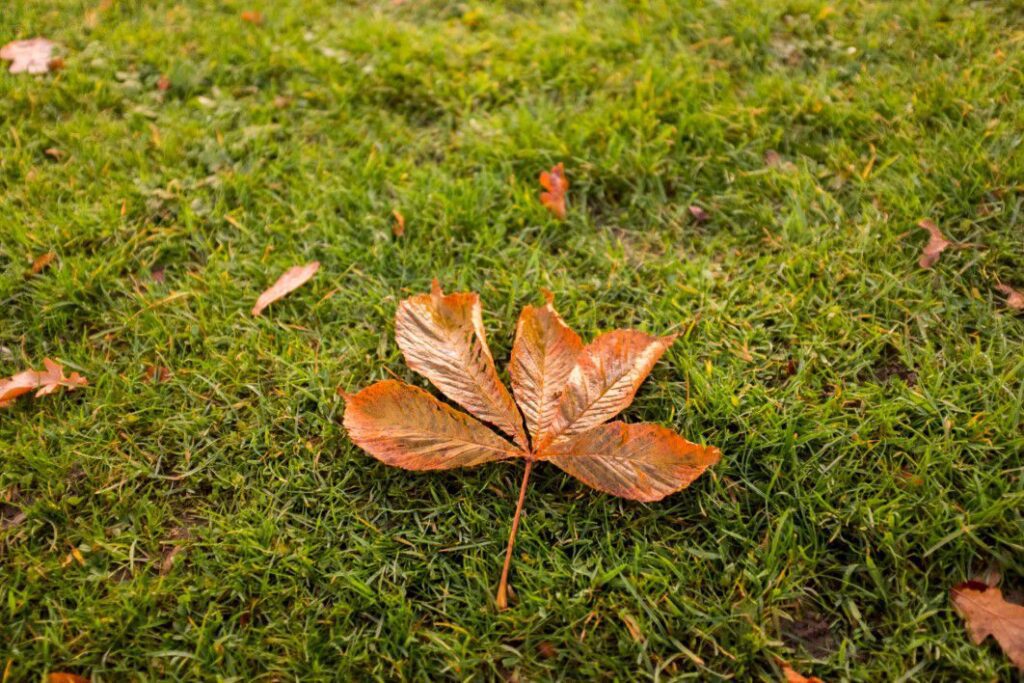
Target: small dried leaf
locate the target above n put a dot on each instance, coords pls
(443, 339)
(292, 279)
(157, 374)
(987, 613)
(43, 382)
(608, 373)
(543, 355)
(936, 245)
(404, 426)
(61, 677)
(643, 462)
(29, 56)
(1014, 299)
(790, 675)
(253, 17)
(699, 214)
(54, 153)
(399, 227)
(556, 184)
(163, 84)
(42, 261)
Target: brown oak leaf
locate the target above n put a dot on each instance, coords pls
(290, 280)
(937, 244)
(29, 56)
(555, 182)
(987, 613)
(42, 382)
(563, 394)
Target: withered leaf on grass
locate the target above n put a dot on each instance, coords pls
(29, 56)
(699, 214)
(292, 279)
(62, 677)
(42, 382)
(399, 227)
(987, 613)
(791, 675)
(252, 17)
(41, 261)
(1014, 299)
(937, 244)
(556, 184)
(564, 392)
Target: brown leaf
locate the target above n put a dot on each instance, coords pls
(607, 375)
(564, 389)
(292, 279)
(42, 261)
(61, 677)
(157, 374)
(543, 355)
(253, 17)
(643, 462)
(699, 214)
(443, 339)
(406, 427)
(163, 84)
(936, 245)
(54, 153)
(28, 56)
(555, 182)
(43, 382)
(1014, 299)
(399, 227)
(790, 675)
(987, 613)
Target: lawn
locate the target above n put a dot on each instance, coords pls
(219, 525)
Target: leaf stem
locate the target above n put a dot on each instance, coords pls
(502, 598)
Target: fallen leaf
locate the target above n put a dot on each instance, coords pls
(29, 56)
(1014, 299)
(987, 613)
(61, 677)
(54, 153)
(546, 650)
(43, 382)
(699, 214)
(564, 389)
(634, 629)
(163, 84)
(157, 374)
(281, 101)
(936, 244)
(157, 274)
(399, 227)
(292, 279)
(555, 182)
(168, 562)
(43, 260)
(253, 17)
(790, 675)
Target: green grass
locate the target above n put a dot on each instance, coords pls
(869, 412)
